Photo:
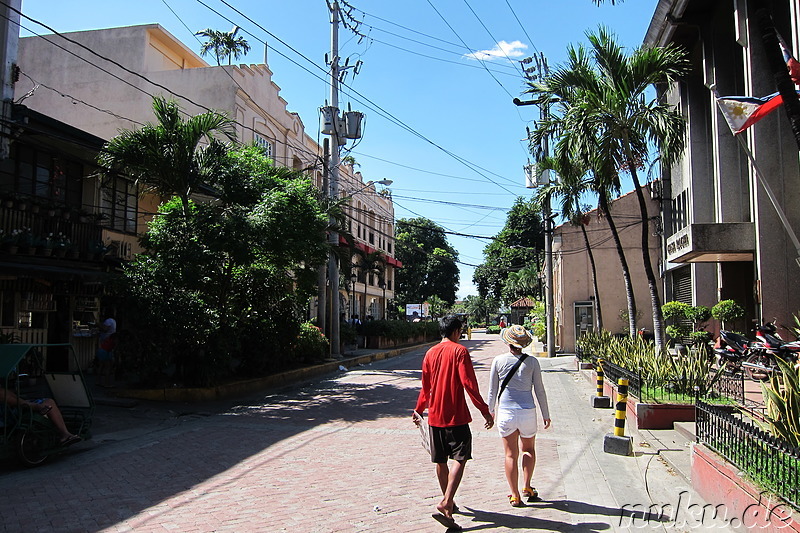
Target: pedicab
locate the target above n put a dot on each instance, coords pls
(28, 435)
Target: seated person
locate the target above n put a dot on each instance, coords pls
(45, 407)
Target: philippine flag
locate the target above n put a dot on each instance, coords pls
(741, 112)
(791, 63)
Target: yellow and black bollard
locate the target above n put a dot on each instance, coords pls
(618, 443)
(622, 407)
(600, 400)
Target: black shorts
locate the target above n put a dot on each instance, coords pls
(452, 442)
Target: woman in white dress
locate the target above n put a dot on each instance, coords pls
(516, 418)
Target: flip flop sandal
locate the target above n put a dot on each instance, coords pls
(449, 523)
(515, 502)
(530, 493)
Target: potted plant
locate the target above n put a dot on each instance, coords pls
(688, 325)
(727, 311)
(45, 245)
(61, 244)
(26, 241)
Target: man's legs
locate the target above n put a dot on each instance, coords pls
(449, 480)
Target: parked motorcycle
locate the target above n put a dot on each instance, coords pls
(730, 350)
(766, 350)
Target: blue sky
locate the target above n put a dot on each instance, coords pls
(439, 122)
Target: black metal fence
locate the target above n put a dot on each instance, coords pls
(770, 462)
(723, 386)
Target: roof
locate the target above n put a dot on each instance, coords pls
(524, 302)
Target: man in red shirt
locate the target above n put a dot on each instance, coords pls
(447, 372)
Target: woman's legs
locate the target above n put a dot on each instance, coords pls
(511, 447)
(528, 459)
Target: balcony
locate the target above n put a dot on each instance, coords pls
(701, 243)
(40, 235)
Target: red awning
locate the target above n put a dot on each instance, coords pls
(366, 248)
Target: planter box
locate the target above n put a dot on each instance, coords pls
(651, 415)
(736, 499)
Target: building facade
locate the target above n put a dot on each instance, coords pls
(574, 302)
(724, 236)
(156, 63)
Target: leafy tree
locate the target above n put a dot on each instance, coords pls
(213, 285)
(167, 157)
(518, 246)
(429, 262)
(612, 125)
(223, 44)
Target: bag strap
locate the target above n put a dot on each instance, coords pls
(511, 374)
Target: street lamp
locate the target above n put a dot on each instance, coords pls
(353, 279)
(382, 285)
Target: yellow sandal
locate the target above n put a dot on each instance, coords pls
(530, 493)
(515, 502)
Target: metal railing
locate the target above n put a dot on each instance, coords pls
(772, 463)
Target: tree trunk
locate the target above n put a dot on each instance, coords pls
(760, 10)
(599, 318)
(652, 283)
(626, 273)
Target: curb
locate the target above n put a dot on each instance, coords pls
(244, 387)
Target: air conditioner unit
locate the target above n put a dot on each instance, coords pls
(121, 250)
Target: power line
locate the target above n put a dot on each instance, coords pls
(365, 100)
(493, 38)
(125, 69)
(467, 47)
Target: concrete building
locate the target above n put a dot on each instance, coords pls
(118, 71)
(575, 305)
(724, 238)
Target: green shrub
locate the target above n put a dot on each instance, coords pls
(493, 329)
(311, 344)
(726, 311)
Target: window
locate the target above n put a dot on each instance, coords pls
(265, 144)
(43, 175)
(119, 202)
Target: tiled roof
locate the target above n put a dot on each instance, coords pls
(524, 302)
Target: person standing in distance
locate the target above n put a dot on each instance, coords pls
(512, 377)
(105, 351)
(447, 372)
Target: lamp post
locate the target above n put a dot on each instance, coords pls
(382, 285)
(353, 279)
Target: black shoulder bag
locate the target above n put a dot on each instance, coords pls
(511, 374)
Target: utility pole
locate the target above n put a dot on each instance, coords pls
(348, 126)
(538, 177)
(9, 71)
(333, 193)
(322, 274)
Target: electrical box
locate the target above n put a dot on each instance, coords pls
(329, 114)
(352, 124)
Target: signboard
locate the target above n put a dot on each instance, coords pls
(418, 310)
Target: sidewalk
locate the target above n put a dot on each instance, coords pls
(340, 453)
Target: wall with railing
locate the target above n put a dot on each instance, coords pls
(770, 462)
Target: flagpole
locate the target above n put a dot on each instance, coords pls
(771, 196)
(760, 177)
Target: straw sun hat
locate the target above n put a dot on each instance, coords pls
(516, 336)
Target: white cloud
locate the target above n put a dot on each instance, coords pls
(503, 50)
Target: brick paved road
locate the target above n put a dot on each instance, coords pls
(338, 455)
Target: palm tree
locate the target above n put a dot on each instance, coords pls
(570, 188)
(223, 44)
(577, 142)
(521, 283)
(618, 125)
(166, 157)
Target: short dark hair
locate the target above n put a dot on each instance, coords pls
(448, 324)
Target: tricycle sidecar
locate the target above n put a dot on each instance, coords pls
(28, 435)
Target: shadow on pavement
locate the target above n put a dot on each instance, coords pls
(490, 520)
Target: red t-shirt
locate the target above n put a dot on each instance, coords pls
(447, 372)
